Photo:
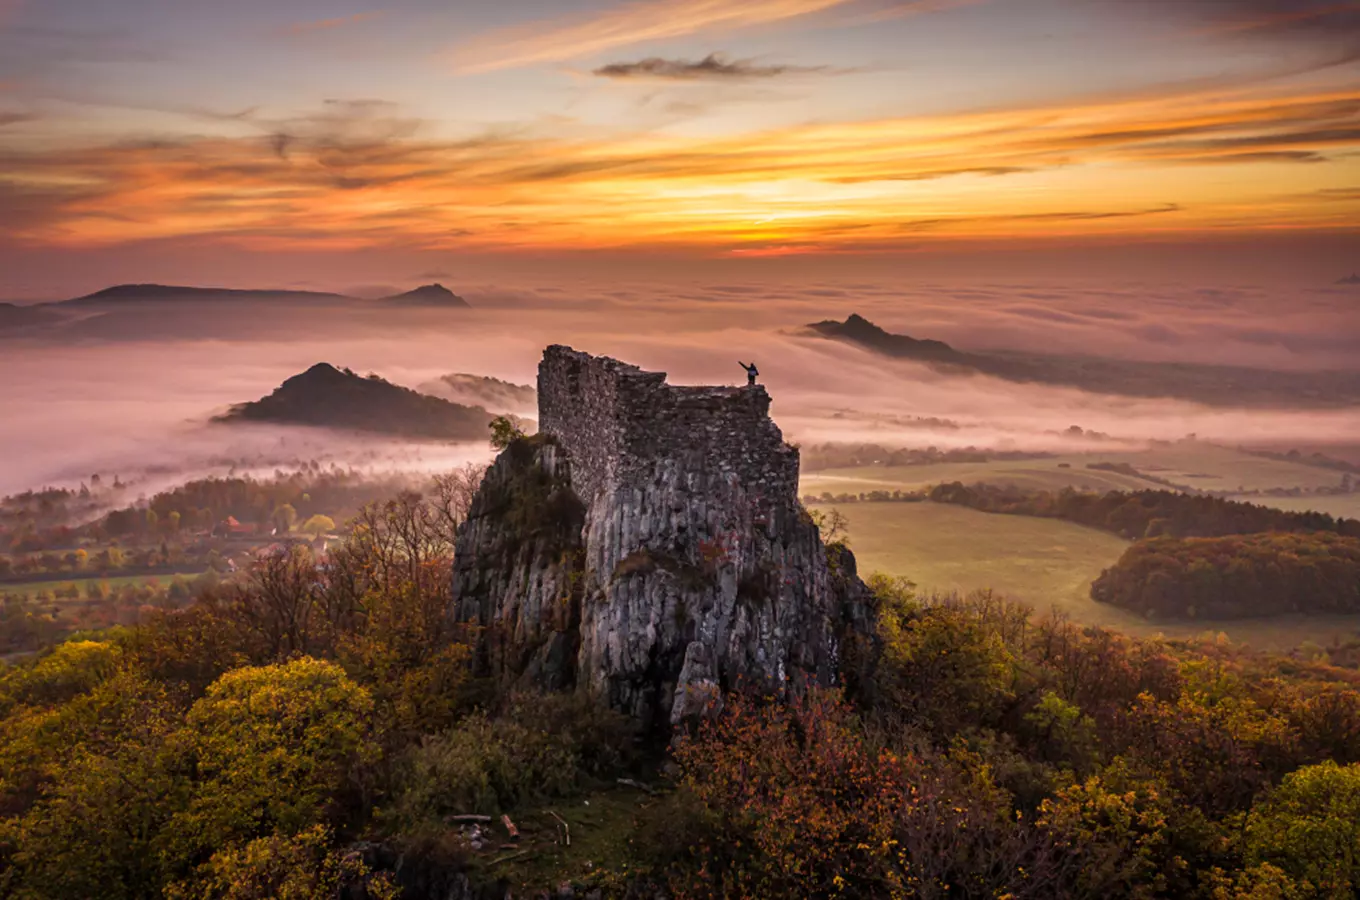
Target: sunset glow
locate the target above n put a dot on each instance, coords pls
(696, 126)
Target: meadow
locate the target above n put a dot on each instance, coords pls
(1046, 563)
(1194, 464)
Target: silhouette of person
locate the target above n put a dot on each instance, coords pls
(751, 372)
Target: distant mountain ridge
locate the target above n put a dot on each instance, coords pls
(1203, 383)
(125, 294)
(860, 330)
(327, 397)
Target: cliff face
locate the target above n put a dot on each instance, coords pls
(648, 545)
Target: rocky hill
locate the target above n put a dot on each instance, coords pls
(648, 546)
(858, 330)
(329, 397)
(1204, 383)
(430, 295)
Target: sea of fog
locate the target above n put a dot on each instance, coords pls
(132, 394)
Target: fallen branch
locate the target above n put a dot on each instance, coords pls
(509, 856)
(628, 782)
(465, 819)
(510, 827)
(566, 829)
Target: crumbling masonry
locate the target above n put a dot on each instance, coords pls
(648, 546)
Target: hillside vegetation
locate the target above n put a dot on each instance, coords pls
(313, 731)
(1234, 577)
(329, 397)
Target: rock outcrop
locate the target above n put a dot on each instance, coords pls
(648, 546)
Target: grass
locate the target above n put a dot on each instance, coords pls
(1046, 563)
(1202, 466)
(602, 825)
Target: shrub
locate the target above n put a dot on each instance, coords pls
(801, 803)
(300, 867)
(544, 746)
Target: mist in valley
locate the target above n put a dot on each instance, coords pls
(132, 390)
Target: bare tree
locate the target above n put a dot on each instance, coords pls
(278, 601)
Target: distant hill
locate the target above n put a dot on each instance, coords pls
(1217, 385)
(859, 330)
(1350, 279)
(432, 295)
(328, 397)
(479, 390)
(142, 293)
(13, 316)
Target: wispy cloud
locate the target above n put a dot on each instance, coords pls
(362, 174)
(1334, 18)
(715, 66)
(298, 29)
(648, 20)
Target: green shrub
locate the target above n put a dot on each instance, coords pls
(543, 746)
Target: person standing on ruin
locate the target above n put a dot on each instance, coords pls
(751, 373)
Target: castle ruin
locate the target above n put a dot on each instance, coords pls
(648, 546)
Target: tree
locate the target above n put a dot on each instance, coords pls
(277, 604)
(273, 748)
(318, 525)
(504, 432)
(1309, 827)
(285, 517)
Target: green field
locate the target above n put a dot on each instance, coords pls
(1202, 466)
(1046, 563)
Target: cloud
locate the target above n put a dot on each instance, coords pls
(363, 173)
(1314, 18)
(298, 29)
(646, 20)
(714, 66)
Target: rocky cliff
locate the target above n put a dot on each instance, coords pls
(648, 546)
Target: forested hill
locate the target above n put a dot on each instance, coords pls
(1219, 385)
(333, 398)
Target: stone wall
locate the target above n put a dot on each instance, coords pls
(648, 547)
(617, 421)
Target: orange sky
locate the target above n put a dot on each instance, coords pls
(706, 128)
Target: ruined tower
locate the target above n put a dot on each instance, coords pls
(648, 546)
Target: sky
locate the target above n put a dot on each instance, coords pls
(342, 142)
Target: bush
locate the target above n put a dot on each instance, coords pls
(544, 746)
(301, 867)
(801, 803)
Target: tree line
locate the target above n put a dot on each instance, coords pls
(1142, 514)
(1236, 576)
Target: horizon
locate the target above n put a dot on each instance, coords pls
(324, 144)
